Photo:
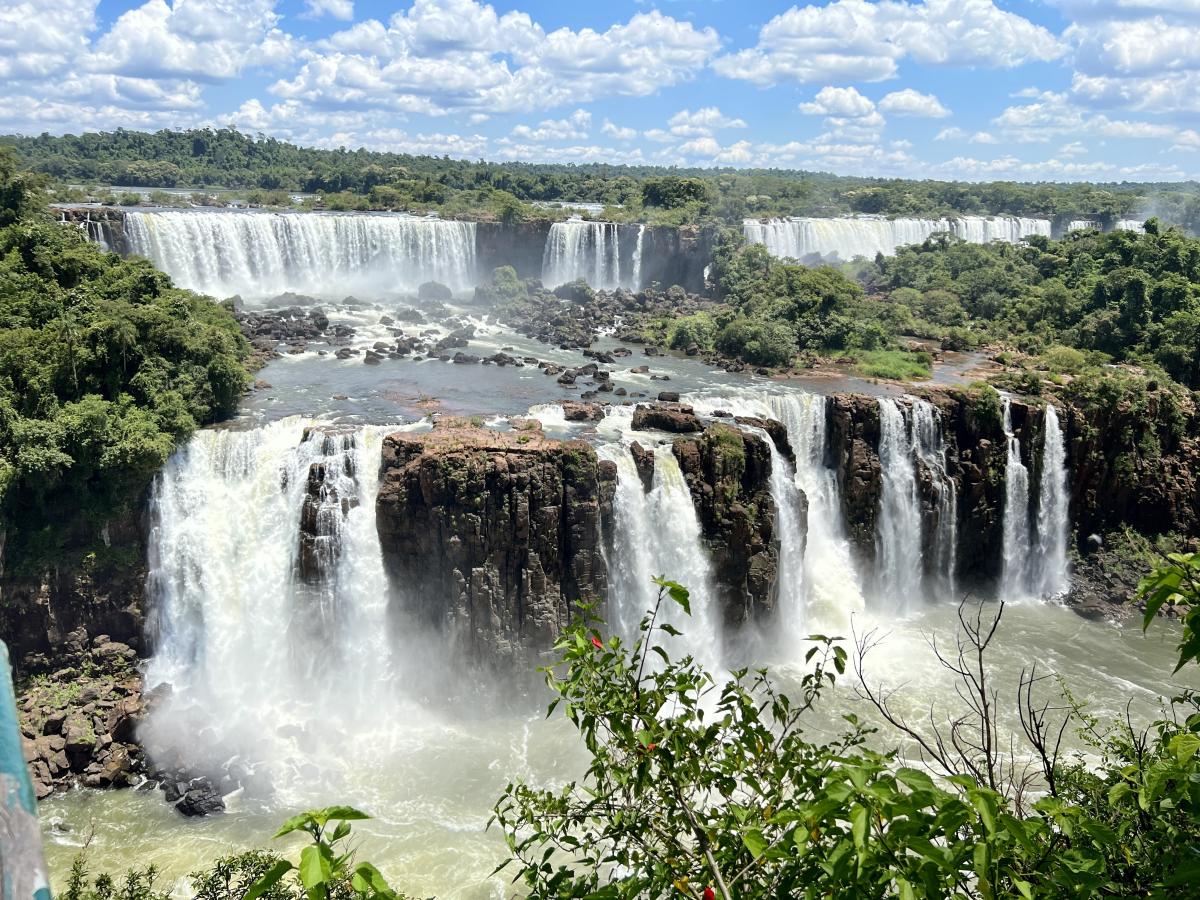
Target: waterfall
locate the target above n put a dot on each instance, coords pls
(930, 444)
(1081, 225)
(898, 566)
(657, 532)
(576, 249)
(1137, 225)
(635, 283)
(250, 640)
(1014, 578)
(261, 255)
(851, 236)
(1052, 576)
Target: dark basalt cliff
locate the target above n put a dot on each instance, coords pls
(493, 536)
(728, 472)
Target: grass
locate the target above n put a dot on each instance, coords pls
(894, 365)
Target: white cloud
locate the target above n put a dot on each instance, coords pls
(953, 133)
(1171, 93)
(38, 39)
(1074, 148)
(573, 128)
(444, 56)
(336, 9)
(983, 137)
(913, 103)
(703, 121)
(863, 41)
(618, 132)
(205, 40)
(835, 101)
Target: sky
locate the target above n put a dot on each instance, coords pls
(1100, 90)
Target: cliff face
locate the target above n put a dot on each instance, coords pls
(1135, 465)
(728, 472)
(519, 245)
(100, 591)
(493, 535)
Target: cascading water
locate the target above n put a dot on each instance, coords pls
(1082, 225)
(930, 444)
(635, 283)
(657, 532)
(576, 249)
(249, 625)
(1130, 225)
(1014, 578)
(898, 566)
(851, 236)
(1052, 576)
(261, 255)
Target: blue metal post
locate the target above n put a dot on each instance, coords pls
(22, 865)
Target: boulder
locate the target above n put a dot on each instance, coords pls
(674, 417)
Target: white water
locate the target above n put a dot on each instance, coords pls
(635, 283)
(1081, 225)
(929, 441)
(657, 533)
(851, 236)
(1137, 225)
(1014, 578)
(1052, 576)
(576, 249)
(898, 566)
(239, 637)
(827, 576)
(261, 255)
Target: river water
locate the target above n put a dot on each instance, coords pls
(428, 759)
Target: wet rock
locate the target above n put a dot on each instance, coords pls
(582, 412)
(673, 417)
(643, 460)
(201, 799)
(668, 396)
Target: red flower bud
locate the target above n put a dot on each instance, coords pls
(651, 745)
(710, 894)
(596, 643)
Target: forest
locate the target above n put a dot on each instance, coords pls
(267, 171)
(1069, 305)
(104, 368)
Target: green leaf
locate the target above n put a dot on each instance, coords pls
(858, 826)
(677, 592)
(343, 813)
(314, 869)
(295, 823)
(755, 842)
(269, 879)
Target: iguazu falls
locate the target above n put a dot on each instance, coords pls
(468, 450)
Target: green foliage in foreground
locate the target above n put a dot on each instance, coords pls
(701, 789)
(104, 368)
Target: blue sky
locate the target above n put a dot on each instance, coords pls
(975, 89)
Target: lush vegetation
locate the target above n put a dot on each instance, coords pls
(207, 158)
(104, 368)
(1075, 303)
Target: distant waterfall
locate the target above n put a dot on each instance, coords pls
(1053, 522)
(658, 533)
(1014, 578)
(1082, 225)
(576, 249)
(898, 566)
(261, 255)
(851, 236)
(930, 444)
(240, 635)
(1137, 225)
(635, 283)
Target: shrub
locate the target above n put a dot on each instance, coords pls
(699, 329)
(762, 342)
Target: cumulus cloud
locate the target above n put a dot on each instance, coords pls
(574, 127)
(836, 101)
(37, 39)
(445, 56)
(913, 103)
(864, 41)
(336, 9)
(618, 132)
(703, 121)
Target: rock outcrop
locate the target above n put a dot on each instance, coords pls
(491, 535)
(728, 472)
